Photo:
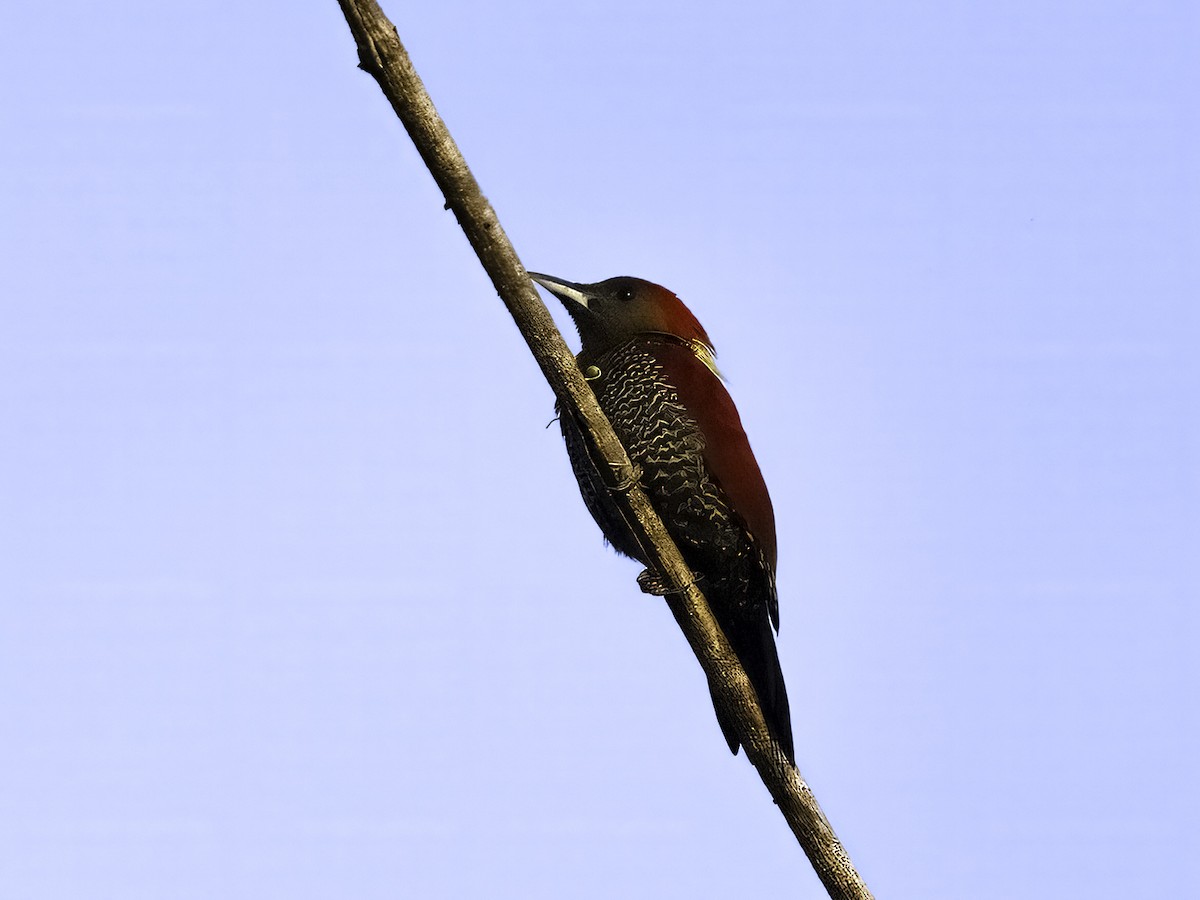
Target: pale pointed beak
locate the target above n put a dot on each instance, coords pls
(563, 290)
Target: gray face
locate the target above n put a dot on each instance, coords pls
(610, 311)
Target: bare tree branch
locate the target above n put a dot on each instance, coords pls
(382, 55)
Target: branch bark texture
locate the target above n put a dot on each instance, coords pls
(382, 55)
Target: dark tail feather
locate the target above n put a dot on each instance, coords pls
(755, 647)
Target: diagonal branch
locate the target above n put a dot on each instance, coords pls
(382, 55)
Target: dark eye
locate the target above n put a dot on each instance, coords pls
(625, 294)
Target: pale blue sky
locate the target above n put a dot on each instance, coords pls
(297, 595)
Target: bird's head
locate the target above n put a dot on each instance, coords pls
(611, 312)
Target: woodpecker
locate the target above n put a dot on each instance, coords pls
(653, 370)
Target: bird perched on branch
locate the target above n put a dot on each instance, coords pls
(653, 370)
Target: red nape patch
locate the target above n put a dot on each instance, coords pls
(680, 320)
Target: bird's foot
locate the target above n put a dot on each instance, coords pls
(652, 583)
(624, 478)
